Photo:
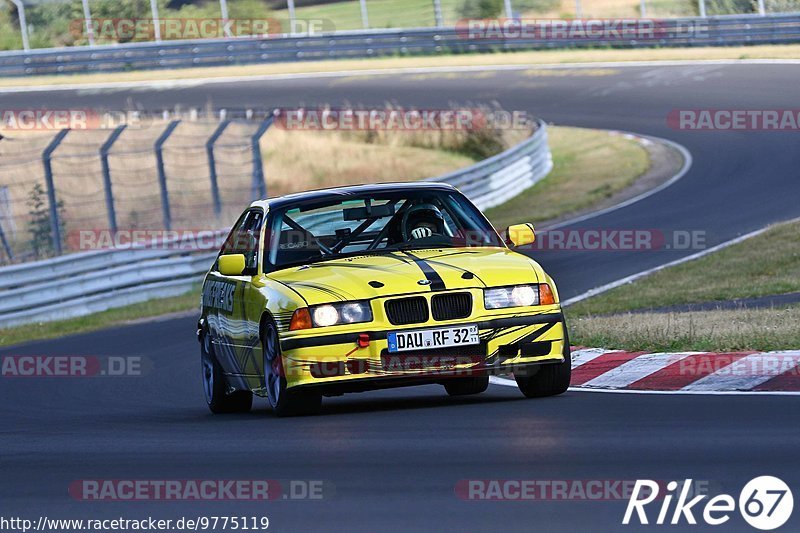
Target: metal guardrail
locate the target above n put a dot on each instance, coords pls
(84, 283)
(712, 31)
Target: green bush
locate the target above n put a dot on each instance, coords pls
(481, 9)
(39, 229)
(779, 6)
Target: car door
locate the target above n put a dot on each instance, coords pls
(234, 331)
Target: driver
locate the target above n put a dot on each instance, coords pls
(424, 220)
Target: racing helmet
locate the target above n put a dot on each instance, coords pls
(423, 214)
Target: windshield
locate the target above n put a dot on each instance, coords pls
(375, 223)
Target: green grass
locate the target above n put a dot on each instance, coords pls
(701, 331)
(381, 13)
(588, 166)
(121, 315)
(764, 265)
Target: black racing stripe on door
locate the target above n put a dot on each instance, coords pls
(436, 281)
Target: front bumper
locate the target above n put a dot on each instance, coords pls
(515, 343)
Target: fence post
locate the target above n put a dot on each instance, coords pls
(643, 8)
(87, 15)
(578, 9)
(23, 24)
(762, 10)
(290, 6)
(364, 15)
(509, 11)
(156, 21)
(437, 13)
(162, 176)
(223, 8)
(259, 186)
(55, 223)
(6, 246)
(702, 8)
(212, 166)
(104, 149)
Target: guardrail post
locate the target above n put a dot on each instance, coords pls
(437, 13)
(55, 223)
(212, 166)
(702, 7)
(578, 9)
(762, 10)
(109, 192)
(508, 9)
(364, 15)
(259, 186)
(643, 9)
(162, 175)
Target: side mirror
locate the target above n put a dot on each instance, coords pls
(231, 265)
(520, 235)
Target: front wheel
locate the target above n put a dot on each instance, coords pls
(214, 385)
(284, 401)
(551, 379)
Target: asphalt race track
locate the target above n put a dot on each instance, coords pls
(391, 460)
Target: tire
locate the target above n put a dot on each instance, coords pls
(284, 401)
(466, 386)
(551, 379)
(218, 399)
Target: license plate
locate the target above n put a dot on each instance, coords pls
(429, 339)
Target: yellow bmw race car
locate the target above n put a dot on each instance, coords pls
(373, 286)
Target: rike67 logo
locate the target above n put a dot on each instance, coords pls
(765, 503)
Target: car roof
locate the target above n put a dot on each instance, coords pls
(350, 190)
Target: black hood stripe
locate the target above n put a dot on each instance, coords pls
(436, 281)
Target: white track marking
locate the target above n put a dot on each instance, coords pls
(687, 164)
(635, 369)
(748, 372)
(581, 357)
(193, 82)
(735, 379)
(497, 380)
(698, 255)
(689, 392)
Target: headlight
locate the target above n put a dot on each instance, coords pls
(325, 315)
(516, 296)
(343, 313)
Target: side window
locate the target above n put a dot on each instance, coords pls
(244, 238)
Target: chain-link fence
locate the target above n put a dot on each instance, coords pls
(172, 173)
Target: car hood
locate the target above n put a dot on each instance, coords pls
(372, 276)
